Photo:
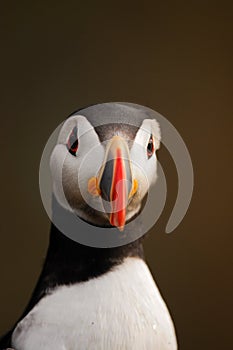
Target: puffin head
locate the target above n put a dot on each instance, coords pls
(104, 163)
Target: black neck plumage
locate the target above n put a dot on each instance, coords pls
(68, 262)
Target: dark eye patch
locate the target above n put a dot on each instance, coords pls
(150, 147)
(72, 143)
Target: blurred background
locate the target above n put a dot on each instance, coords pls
(175, 57)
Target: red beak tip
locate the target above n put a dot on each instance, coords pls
(114, 222)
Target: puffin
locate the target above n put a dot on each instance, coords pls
(95, 290)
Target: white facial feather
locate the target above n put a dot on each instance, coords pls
(143, 168)
(71, 174)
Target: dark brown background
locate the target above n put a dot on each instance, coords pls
(173, 57)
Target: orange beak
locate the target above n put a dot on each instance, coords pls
(115, 182)
(119, 192)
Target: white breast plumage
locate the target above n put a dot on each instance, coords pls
(120, 310)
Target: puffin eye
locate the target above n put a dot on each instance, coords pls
(72, 143)
(150, 147)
